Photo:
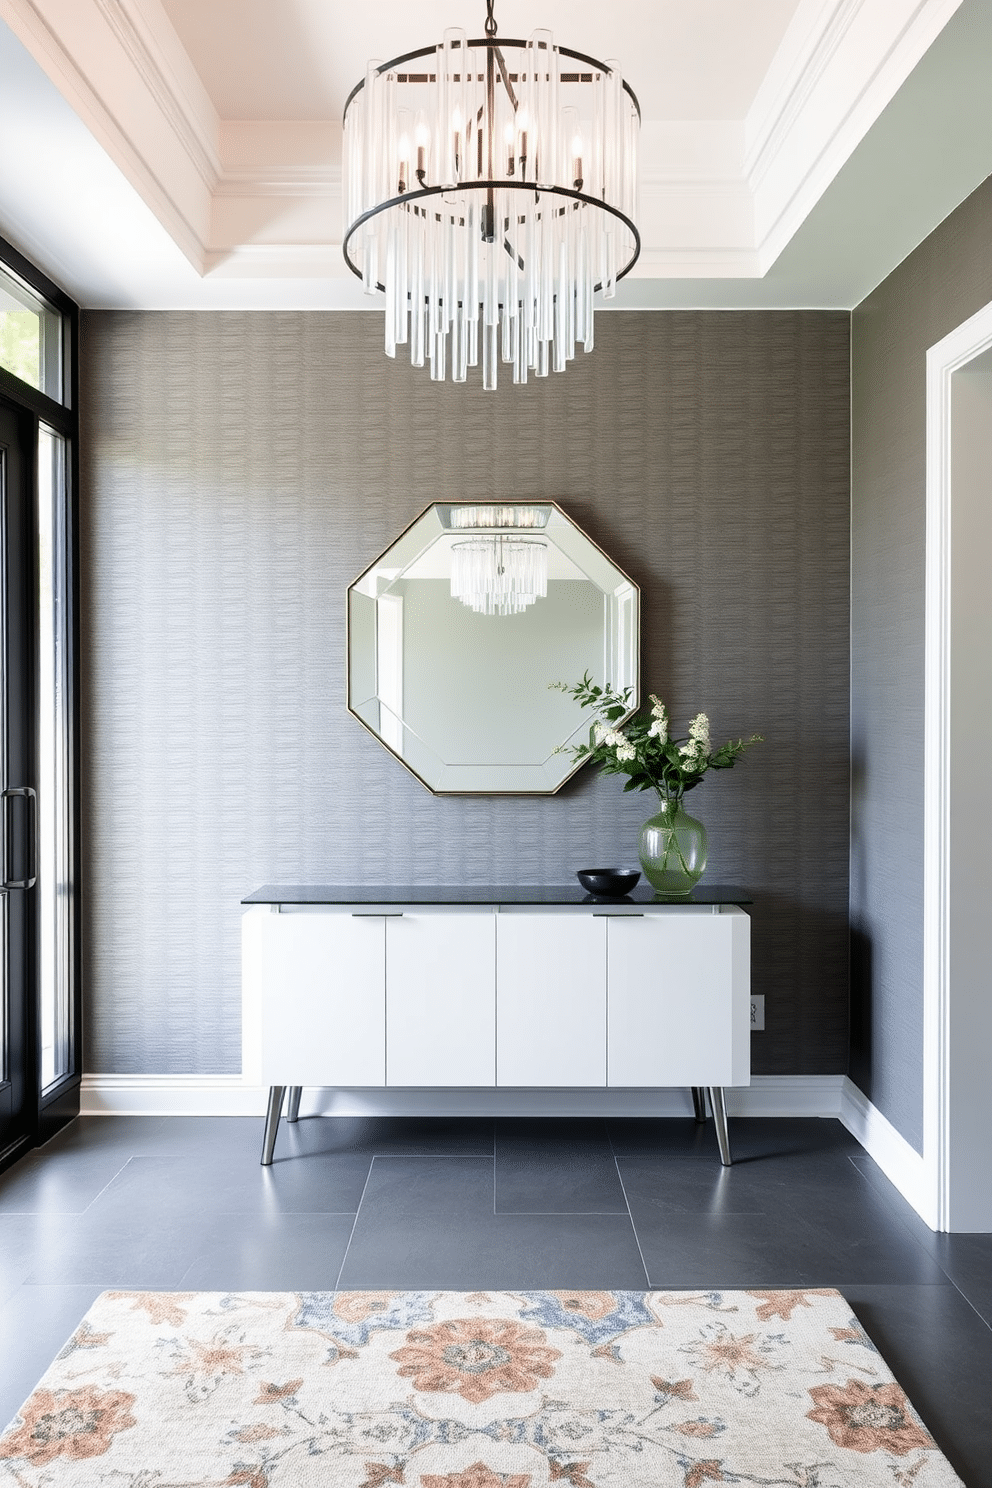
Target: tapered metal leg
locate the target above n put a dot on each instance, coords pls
(699, 1102)
(276, 1093)
(293, 1102)
(720, 1122)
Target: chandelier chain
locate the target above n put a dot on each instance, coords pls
(490, 18)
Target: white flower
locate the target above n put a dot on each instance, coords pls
(660, 730)
(600, 732)
(699, 733)
(690, 753)
(613, 739)
(658, 709)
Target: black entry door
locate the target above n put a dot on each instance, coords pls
(18, 813)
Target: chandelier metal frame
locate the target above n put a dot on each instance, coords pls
(440, 196)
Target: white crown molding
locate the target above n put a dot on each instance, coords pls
(301, 181)
(694, 262)
(143, 32)
(810, 41)
(281, 261)
(839, 65)
(124, 72)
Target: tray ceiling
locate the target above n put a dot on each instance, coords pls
(187, 152)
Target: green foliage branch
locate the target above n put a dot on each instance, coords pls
(642, 748)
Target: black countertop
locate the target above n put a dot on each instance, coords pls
(486, 894)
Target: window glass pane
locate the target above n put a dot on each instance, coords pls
(30, 337)
(55, 929)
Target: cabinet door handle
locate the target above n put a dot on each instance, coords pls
(619, 915)
(358, 914)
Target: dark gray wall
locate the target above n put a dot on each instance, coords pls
(944, 281)
(240, 469)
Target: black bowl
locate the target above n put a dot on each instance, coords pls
(608, 883)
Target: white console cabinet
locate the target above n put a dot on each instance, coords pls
(373, 992)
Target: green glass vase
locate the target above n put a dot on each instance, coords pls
(672, 850)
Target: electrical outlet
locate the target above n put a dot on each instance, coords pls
(758, 1014)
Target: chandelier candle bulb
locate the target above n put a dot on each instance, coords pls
(422, 138)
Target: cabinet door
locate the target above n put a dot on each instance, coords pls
(679, 999)
(441, 999)
(550, 999)
(322, 999)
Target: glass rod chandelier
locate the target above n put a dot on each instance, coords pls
(499, 572)
(499, 575)
(490, 190)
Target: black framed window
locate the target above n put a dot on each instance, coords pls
(39, 822)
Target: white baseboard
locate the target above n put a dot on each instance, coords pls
(787, 1095)
(229, 1095)
(170, 1095)
(901, 1163)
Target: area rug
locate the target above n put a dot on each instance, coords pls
(469, 1390)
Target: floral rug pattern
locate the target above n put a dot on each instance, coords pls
(469, 1390)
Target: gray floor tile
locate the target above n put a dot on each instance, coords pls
(161, 1135)
(556, 1168)
(189, 1135)
(671, 1186)
(438, 1136)
(904, 1211)
(800, 1141)
(730, 1247)
(967, 1260)
(130, 1251)
(558, 1183)
(280, 1253)
(216, 1182)
(940, 1351)
(726, 1250)
(106, 1132)
(16, 1251)
(528, 1134)
(408, 1188)
(63, 1182)
(34, 1324)
(671, 1136)
(498, 1252)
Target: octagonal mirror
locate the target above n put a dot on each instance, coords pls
(457, 630)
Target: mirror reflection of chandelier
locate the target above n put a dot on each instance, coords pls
(490, 190)
(499, 575)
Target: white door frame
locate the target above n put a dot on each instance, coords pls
(948, 356)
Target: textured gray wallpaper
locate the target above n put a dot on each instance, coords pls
(240, 469)
(944, 281)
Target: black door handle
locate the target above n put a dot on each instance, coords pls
(32, 800)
